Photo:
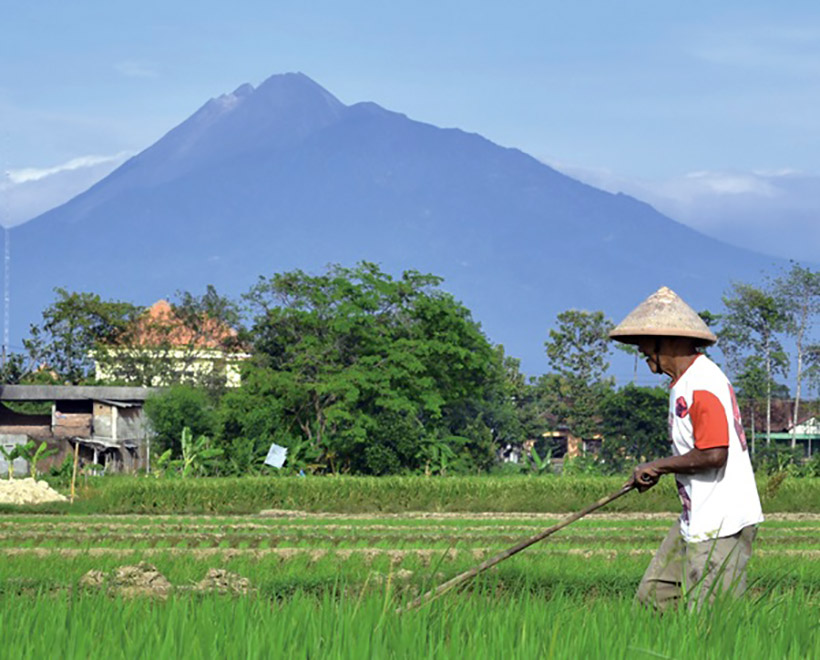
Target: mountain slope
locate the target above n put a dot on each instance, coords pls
(286, 176)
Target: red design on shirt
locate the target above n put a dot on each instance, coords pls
(741, 434)
(681, 407)
(686, 503)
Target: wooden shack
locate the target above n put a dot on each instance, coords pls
(107, 423)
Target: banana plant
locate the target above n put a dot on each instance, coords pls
(10, 455)
(304, 455)
(541, 465)
(34, 456)
(436, 454)
(197, 455)
(163, 463)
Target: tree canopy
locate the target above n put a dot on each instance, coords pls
(356, 370)
(353, 355)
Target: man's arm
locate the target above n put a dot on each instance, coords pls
(647, 475)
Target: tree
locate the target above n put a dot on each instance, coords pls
(578, 350)
(175, 409)
(753, 319)
(799, 289)
(15, 368)
(712, 322)
(72, 328)
(343, 357)
(750, 385)
(634, 426)
(812, 364)
(527, 399)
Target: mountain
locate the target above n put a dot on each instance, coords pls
(285, 176)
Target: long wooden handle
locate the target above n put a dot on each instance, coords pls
(492, 561)
(74, 469)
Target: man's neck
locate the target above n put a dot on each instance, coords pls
(678, 364)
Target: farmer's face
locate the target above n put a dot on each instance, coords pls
(650, 347)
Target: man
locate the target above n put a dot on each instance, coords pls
(706, 551)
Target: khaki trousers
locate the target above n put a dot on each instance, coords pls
(696, 571)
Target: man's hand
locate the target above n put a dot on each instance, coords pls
(645, 476)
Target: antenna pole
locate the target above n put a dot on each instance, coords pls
(6, 289)
(5, 180)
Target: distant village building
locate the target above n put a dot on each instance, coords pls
(161, 349)
(560, 444)
(565, 445)
(806, 435)
(108, 424)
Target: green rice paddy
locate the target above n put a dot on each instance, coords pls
(380, 495)
(328, 585)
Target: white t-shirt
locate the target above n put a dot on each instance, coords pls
(703, 413)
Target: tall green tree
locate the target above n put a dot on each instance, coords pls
(799, 290)
(15, 368)
(72, 327)
(578, 350)
(753, 321)
(170, 411)
(750, 383)
(634, 426)
(351, 353)
(526, 395)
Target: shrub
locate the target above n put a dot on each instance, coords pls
(173, 410)
(775, 458)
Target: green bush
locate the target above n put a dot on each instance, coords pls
(175, 409)
(775, 458)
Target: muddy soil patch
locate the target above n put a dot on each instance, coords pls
(224, 582)
(141, 579)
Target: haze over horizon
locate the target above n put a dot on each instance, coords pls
(704, 112)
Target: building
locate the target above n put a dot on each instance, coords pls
(559, 445)
(107, 423)
(161, 348)
(806, 435)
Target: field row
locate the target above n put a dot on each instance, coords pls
(242, 586)
(289, 552)
(343, 494)
(189, 532)
(766, 543)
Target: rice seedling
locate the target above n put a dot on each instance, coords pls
(327, 585)
(341, 623)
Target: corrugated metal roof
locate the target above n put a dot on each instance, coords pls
(75, 393)
(120, 404)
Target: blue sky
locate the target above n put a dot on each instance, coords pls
(708, 110)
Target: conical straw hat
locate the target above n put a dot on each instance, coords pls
(663, 314)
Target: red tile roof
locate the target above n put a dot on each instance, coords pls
(160, 325)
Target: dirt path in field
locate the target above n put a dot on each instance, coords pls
(246, 520)
(442, 515)
(369, 554)
(424, 515)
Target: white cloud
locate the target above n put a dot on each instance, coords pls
(794, 50)
(35, 174)
(729, 184)
(770, 211)
(27, 192)
(137, 69)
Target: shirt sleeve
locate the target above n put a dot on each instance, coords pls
(709, 422)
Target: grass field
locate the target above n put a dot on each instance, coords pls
(327, 585)
(344, 494)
